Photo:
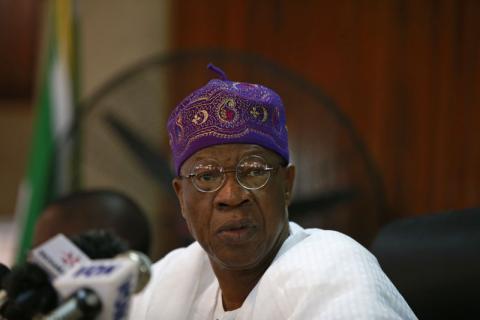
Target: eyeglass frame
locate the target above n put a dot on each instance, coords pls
(223, 172)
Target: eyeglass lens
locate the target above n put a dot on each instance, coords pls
(252, 172)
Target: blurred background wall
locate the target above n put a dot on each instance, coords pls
(404, 73)
(113, 35)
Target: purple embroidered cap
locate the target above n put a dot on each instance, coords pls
(223, 112)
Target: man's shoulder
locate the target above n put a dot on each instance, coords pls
(321, 262)
(327, 256)
(326, 245)
(323, 270)
(335, 244)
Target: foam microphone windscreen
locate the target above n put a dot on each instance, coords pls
(29, 292)
(4, 271)
(99, 244)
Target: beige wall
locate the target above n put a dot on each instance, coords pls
(15, 132)
(116, 34)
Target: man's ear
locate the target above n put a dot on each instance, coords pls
(178, 187)
(289, 180)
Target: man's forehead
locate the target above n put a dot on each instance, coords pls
(230, 153)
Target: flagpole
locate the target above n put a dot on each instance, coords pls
(49, 171)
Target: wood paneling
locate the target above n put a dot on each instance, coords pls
(406, 73)
(19, 32)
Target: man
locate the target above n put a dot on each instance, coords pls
(85, 210)
(234, 184)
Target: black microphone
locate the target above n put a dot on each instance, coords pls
(29, 292)
(100, 244)
(28, 289)
(4, 271)
(84, 304)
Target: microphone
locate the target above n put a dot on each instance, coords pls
(99, 244)
(143, 265)
(4, 271)
(83, 304)
(27, 288)
(57, 255)
(113, 282)
(29, 292)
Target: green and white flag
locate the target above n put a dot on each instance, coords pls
(50, 165)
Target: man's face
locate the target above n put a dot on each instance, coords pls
(238, 228)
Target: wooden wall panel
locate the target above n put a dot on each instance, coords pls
(19, 31)
(405, 72)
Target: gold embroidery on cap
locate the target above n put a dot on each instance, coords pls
(259, 110)
(227, 111)
(254, 112)
(265, 114)
(200, 117)
(179, 128)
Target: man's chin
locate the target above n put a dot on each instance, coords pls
(235, 263)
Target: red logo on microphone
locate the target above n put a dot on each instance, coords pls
(70, 259)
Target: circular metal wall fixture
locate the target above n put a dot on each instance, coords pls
(124, 144)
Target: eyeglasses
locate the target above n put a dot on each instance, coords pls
(252, 172)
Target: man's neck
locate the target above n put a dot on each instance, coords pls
(236, 285)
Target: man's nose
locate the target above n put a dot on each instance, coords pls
(231, 193)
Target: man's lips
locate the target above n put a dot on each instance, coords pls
(237, 231)
(234, 225)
